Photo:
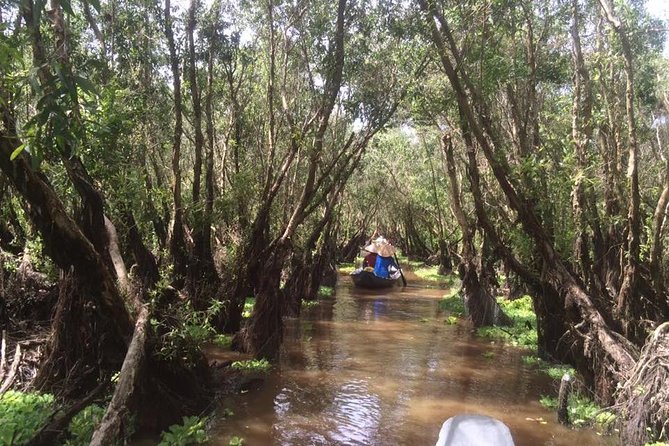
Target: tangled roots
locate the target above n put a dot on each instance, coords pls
(644, 398)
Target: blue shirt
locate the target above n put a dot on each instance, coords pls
(381, 266)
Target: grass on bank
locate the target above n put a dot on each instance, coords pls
(583, 412)
(523, 332)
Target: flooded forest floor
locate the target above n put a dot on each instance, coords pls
(388, 368)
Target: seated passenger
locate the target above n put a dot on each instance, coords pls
(384, 260)
(369, 261)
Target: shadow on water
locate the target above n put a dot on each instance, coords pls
(382, 368)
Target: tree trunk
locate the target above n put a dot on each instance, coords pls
(614, 352)
(479, 303)
(91, 324)
(265, 330)
(177, 235)
(581, 135)
(659, 222)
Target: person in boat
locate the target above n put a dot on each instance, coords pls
(369, 260)
(385, 260)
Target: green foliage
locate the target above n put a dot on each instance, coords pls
(190, 431)
(183, 331)
(237, 441)
(523, 333)
(582, 411)
(22, 414)
(549, 402)
(222, 340)
(532, 360)
(249, 304)
(83, 425)
(325, 291)
(429, 273)
(252, 366)
(309, 303)
(489, 355)
(451, 320)
(346, 268)
(453, 302)
(557, 371)
(554, 370)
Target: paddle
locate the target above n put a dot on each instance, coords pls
(404, 281)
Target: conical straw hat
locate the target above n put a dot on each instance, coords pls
(372, 247)
(386, 250)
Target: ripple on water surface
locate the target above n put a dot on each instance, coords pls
(382, 369)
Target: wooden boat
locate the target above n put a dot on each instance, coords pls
(367, 279)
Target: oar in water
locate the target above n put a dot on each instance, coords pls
(404, 281)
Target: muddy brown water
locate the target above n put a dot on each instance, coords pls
(382, 368)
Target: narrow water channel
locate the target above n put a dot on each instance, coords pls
(382, 368)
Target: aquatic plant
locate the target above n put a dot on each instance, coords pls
(325, 291)
(223, 340)
(237, 441)
(190, 431)
(252, 365)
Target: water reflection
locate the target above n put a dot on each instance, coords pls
(382, 368)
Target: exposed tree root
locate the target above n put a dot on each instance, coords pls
(83, 348)
(644, 397)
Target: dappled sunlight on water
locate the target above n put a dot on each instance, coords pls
(382, 368)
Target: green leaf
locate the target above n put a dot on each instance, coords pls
(95, 4)
(17, 152)
(67, 6)
(85, 84)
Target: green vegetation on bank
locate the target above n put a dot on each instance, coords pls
(523, 332)
(325, 291)
(452, 302)
(583, 412)
(22, 414)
